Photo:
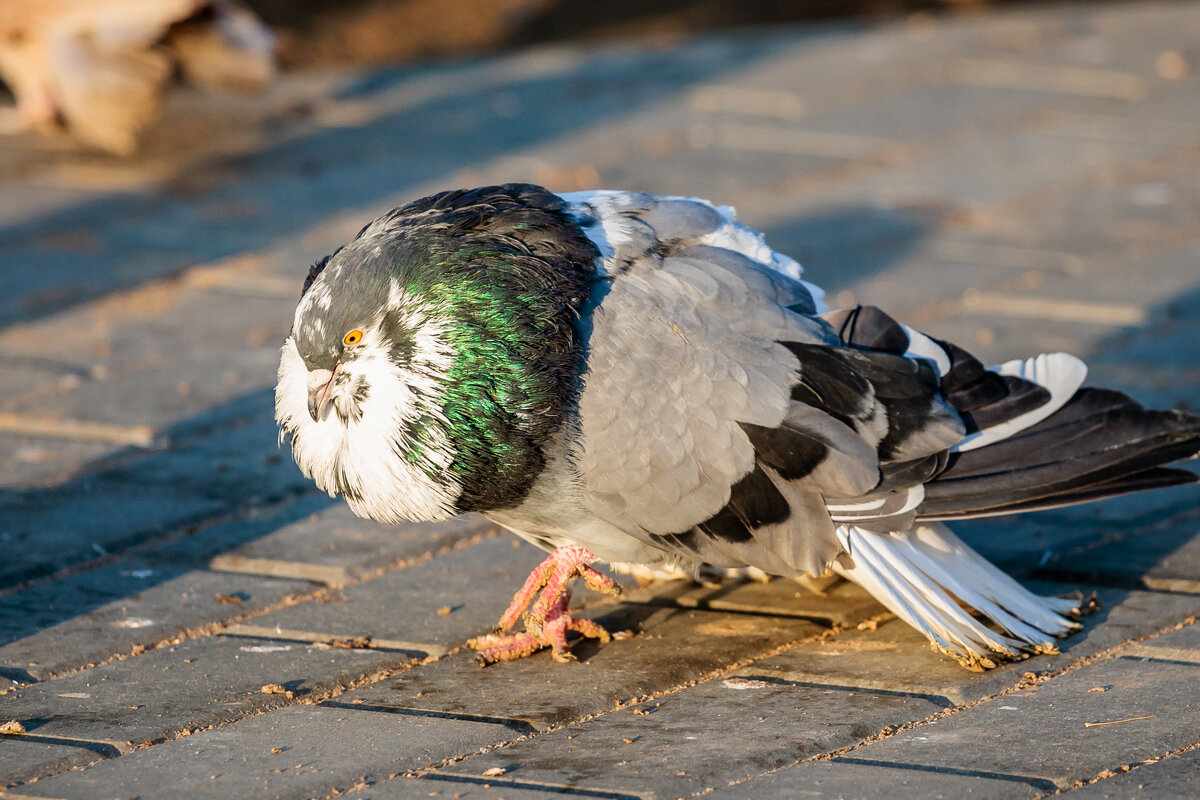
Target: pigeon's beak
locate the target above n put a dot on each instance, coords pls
(320, 388)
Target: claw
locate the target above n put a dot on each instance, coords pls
(548, 620)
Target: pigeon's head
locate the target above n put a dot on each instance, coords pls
(362, 383)
(354, 327)
(433, 357)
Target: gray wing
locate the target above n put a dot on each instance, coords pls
(702, 428)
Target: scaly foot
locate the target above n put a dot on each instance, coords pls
(548, 621)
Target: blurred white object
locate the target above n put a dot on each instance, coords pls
(98, 67)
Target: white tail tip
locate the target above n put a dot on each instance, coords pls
(926, 575)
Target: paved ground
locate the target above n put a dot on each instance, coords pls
(1017, 182)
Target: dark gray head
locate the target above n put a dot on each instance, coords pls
(447, 327)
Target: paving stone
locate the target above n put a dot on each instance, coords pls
(192, 685)
(900, 285)
(1186, 638)
(69, 622)
(221, 683)
(474, 113)
(1166, 558)
(143, 495)
(844, 604)
(670, 649)
(26, 756)
(225, 687)
(333, 537)
(231, 342)
(1136, 541)
(296, 752)
(703, 737)
(861, 247)
(61, 626)
(37, 461)
(856, 779)
(444, 600)
(1174, 778)
(1049, 731)
(211, 696)
(81, 618)
(895, 657)
(475, 787)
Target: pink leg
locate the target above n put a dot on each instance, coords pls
(548, 620)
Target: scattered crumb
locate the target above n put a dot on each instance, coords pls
(868, 625)
(353, 643)
(275, 688)
(494, 772)
(641, 712)
(1172, 65)
(444, 610)
(627, 741)
(228, 599)
(1098, 689)
(276, 750)
(12, 727)
(358, 701)
(622, 635)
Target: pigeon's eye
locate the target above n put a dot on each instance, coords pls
(353, 337)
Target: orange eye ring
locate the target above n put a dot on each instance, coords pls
(353, 337)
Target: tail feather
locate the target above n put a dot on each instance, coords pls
(1034, 439)
(925, 574)
(1157, 478)
(1098, 445)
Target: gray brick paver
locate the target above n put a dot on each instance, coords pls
(1173, 778)
(721, 731)
(847, 779)
(1043, 732)
(320, 749)
(895, 657)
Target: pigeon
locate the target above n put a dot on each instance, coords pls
(640, 380)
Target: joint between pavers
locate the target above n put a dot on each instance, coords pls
(275, 568)
(1028, 679)
(552, 788)
(1112, 580)
(351, 642)
(142, 436)
(101, 747)
(1121, 770)
(1043, 784)
(519, 725)
(805, 681)
(217, 628)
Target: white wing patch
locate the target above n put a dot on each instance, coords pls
(921, 346)
(1060, 373)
